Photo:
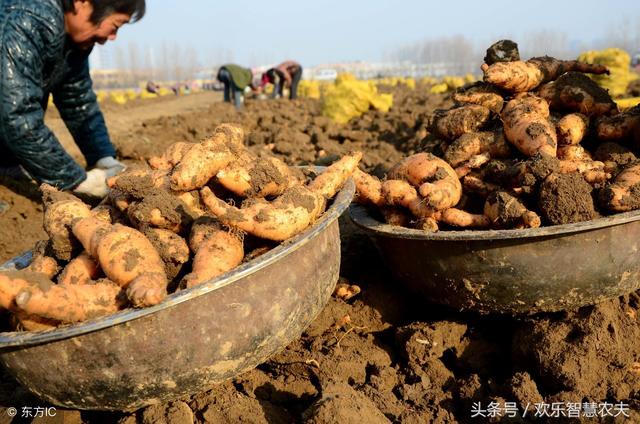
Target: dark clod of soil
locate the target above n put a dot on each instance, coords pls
(541, 166)
(576, 92)
(525, 175)
(566, 198)
(506, 210)
(614, 152)
(502, 51)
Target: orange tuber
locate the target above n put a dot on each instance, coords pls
(435, 179)
(518, 76)
(452, 123)
(71, 303)
(475, 143)
(217, 250)
(127, 258)
(527, 125)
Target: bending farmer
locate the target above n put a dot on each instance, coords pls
(286, 74)
(235, 79)
(44, 49)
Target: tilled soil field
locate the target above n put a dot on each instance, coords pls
(382, 356)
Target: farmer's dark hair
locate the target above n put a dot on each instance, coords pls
(104, 8)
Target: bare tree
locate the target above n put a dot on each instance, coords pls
(228, 56)
(453, 55)
(121, 63)
(191, 62)
(545, 42)
(177, 68)
(134, 63)
(625, 35)
(165, 61)
(150, 63)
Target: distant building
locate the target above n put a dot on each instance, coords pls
(116, 78)
(107, 78)
(366, 70)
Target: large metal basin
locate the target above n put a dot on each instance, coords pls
(192, 340)
(513, 271)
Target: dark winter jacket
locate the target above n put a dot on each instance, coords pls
(241, 76)
(37, 59)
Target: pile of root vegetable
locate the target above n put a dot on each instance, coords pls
(167, 227)
(536, 143)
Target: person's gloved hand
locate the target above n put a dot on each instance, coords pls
(95, 184)
(111, 165)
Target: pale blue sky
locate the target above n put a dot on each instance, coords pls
(258, 32)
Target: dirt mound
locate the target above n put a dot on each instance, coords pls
(21, 217)
(563, 356)
(295, 130)
(341, 403)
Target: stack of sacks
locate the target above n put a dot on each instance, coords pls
(349, 98)
(619, 64)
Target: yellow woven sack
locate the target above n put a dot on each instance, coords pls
(349, 98)
(618, 61)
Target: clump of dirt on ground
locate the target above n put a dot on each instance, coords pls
(591, 353)
(295, 130)
(341, 403)
(566, 198)
(21, 217)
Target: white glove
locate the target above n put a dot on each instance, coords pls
(111, 165)
(95, 184)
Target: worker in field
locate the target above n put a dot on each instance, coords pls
(44, 50)
(152, 87)
(235, 79)
(287, 74)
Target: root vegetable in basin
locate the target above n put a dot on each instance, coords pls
(533, 139)
(290, 213)
(528, 127)
(131, 250)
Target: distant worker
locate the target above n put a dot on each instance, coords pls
(44, 49)
(153, 87)
(635, 61)
(286, 74)
(235, 79)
